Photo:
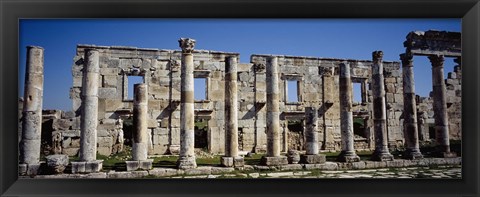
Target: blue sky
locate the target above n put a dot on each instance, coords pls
(335, 38)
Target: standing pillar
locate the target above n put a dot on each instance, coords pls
(410, 127)
(231, 157)
(89, 115)
(440, 106)
(379, 110)
(140, 128)
(32, 112)
(273, 115)
(311, 134)
(187, 113)
(346, 117)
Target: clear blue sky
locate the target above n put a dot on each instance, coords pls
(336, 38)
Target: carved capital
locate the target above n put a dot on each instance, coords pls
(187, 44)
(327, 71)
(259, 67)
(174, 65)
(377, 56)
(436, 60)
(407, 59)
(458, 60)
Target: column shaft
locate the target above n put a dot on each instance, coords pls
(231, 108)
(409, 108)
(346, 117)
(311, 134)
(89, 118)
(32, 107)
(379, 109)
(440, 104)
(273, 110)
(187, 113)
(140, 116)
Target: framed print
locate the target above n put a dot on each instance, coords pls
(241, 98)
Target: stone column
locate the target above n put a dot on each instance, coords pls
(410, 127)
(231, 118)
(381, 152)
(440, 106)
(89, 115)
(311, 135)
(346, 117)
(187, 113)
(273, 115)
(32, 112)
(140, 129)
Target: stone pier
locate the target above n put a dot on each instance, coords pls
(273, 156)
(440, 107)
(231, 157)
(140, 135)
(381, 152)
(187, 113)
(346, 117)
(409, 109)
(311, 134)
(89, 118)
(32, 112)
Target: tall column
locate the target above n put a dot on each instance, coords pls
(89, 115)
(273, 115)
(231, 118)
(140, 129)
(187, 113)
(410, 127)
(346, 117)
(440, 106)
(311, 135)
(379, 110)
(32, 111)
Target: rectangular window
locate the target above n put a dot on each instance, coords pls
(200, 85)
(132, 80)
(292, 91)
(357, 92)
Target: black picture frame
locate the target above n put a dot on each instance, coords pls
(11, 11)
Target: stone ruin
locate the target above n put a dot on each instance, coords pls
(246, 106)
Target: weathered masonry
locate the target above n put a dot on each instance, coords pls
(315, 80)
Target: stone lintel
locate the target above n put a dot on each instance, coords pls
(312, 159)
(232, 161)
(274, 161)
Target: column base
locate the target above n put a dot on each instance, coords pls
(445, 154)
(142, 165)
(274, 161)
(413, 154)
(28, 169)
(348, 157)
(232, 161)
(86, 166)
(186, 162)
(312, 159)
(382, 156)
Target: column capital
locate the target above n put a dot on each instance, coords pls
(407, 59)
(187, 44)
(436, 60)
(377, 56)
(458, 60)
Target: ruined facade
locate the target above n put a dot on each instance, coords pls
(316, 79)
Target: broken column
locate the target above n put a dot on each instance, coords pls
(440, 107)
(187, 116)
(140, 129)
(311, 134)
(410, 127)
(89, 116)
(231, 157)
(32, 112)
(346, 117)
(273, 156)
(381, 152)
